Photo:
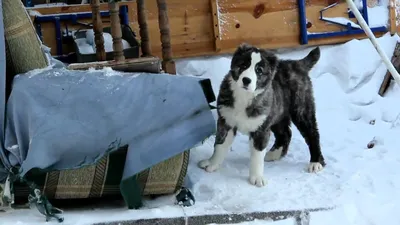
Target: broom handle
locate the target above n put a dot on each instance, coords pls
(373, 40)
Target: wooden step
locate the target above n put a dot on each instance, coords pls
(144, 64)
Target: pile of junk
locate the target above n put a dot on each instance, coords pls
(115, 122)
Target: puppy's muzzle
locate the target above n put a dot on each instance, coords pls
(246, 81)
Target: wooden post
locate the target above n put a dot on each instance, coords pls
(388, 77)
(98, 30)
(168, 64)
(143, 29)
(116, 31)
(392, 17)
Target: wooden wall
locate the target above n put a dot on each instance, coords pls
(208, 27)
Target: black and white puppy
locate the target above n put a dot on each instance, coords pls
(260, 94)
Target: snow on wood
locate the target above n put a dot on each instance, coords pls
(343, 21)
(87, 45)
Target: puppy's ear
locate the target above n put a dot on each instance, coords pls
(272, 61)
(242, 48)
(234, 71)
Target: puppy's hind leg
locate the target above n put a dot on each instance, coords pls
(282, 134)
(223, 142)
(306, 123)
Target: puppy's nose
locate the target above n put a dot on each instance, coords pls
(246, 81)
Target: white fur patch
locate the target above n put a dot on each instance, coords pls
(250, 73)
(237, 116)
(273, 155)
(315, 167)
(256, 170)
(220, 151)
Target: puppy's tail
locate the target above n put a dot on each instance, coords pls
(311, 59)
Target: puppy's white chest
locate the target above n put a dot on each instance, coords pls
(237, 117)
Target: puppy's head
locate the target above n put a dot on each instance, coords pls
(253, 69)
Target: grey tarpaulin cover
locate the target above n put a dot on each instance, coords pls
(61, 119)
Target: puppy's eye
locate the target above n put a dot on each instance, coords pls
(259, 70)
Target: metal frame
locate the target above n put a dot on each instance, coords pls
(28, 3)
(349, 30)
(73, 17)
(321, 15)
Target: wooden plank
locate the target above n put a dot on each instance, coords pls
(281, 26)
(144, 64)
(215, 13)
(298, 217)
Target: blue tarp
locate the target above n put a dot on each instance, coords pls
(62, 119)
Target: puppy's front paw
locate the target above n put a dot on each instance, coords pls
(315, 167)
(258, 181)
(208, 166)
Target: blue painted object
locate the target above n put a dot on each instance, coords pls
(39, 30)
(28, 3)
(303, 22)
(123, 11)
(363, 12)
(74, 19)
(342, 33)
(321, 15)
(349, 30)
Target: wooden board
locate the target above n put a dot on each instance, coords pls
(388, 76)
(267, 23)
(143, 64)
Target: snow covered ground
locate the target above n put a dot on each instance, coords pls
(362, 184)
